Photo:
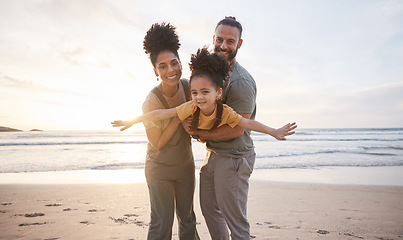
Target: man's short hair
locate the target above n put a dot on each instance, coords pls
(231, 21)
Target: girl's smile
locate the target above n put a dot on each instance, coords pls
(204, 94)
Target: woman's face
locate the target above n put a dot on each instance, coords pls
(168, 68)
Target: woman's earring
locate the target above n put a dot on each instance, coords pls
(158, 79)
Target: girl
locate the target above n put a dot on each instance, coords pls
(206, 81)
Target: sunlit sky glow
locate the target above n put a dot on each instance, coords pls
(80, 64)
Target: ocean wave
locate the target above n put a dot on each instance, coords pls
(258, 165)
(116, 166)
(112, 166)
(69, 135)
(319, 165)
(385, 147)
(69, 143)
(344, 139)
(38, 143)
(352, 151)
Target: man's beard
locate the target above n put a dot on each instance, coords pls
(231, 54)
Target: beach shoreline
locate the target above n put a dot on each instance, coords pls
(276, 210)
(377, 176)
(283, 204)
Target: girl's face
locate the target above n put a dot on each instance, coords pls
(168, 68)
(204, 94)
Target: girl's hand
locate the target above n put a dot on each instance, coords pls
(124, 124)
(286, 130)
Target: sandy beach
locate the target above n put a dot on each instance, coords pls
(276, 210)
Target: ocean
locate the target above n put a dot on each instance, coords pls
(308, 149)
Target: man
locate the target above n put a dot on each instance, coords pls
(224, 176)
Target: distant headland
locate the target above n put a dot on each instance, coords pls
(7, 129)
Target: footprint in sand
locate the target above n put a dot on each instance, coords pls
(270, 225)
(34, 214)
(127, 220)
(6, 204)
(86, 222)
(69, 209)
(95, 210)
(31, 224)
(29, 215)
(322, 232)
(131, 215)
(353, 235)
(53, 205)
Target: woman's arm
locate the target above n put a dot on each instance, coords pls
(279, 133)
(156, 115)
(159, 138)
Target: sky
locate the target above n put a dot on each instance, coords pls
(80, 64)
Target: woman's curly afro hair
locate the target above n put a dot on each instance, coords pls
(161, 37)
(210, 64)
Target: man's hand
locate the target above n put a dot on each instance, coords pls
(187, 123)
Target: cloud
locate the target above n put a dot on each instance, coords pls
(325, 63)
(389, 7)
(380, 99)
(79, 56)
(380, 106)
(32, 86)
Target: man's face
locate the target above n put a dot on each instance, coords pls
(226, 42)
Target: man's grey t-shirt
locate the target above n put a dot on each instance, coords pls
(239, 94)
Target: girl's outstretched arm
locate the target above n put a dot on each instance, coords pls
(159, 114)
(279, 133)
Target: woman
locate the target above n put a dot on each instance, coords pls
(169, 167)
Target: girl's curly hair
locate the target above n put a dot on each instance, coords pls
(210, 64)
(161, 37)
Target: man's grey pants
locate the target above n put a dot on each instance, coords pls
(224, 185)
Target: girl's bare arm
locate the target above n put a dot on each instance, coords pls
(279, 133)
(156, 115)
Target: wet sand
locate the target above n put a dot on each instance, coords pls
(276, 210)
